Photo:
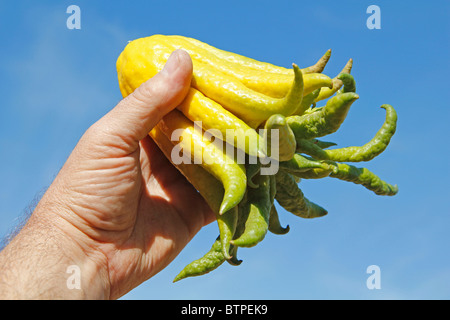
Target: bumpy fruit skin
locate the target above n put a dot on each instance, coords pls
(210, 261)
(363, 177)
(355, 153)
(324, 120)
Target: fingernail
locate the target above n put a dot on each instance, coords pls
(172, 63)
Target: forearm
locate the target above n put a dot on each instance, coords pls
(47, 260)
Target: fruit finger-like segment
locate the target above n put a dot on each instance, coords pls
(256, 225)
(252, 170)
(325, 120)
(234, 58)
(277, 86)
(356, 154)
(323, 144)
(273, 188)
(348, 81)
(220, 122)
(272, 84)
(291, 198)
(209, 187)
(279, 139)
(310, 148)
(256, 228)
(138, 62)
(316, 173)
(243, 213)
(227, 223)
(365, 178)
(320, 65)
(211, 156)
(300, 164)
(325, 93)
(274, 223)
(233, 260)
(374, 147)
(249, 105)
(243, 62)
(307, 101)
(210, 261)
(314, 81)
(274, 220)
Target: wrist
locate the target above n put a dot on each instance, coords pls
(51, 259)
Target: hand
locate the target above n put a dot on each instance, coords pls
(117, 209)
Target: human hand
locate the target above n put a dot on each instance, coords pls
(118, 209)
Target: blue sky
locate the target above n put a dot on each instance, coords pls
(56, 82)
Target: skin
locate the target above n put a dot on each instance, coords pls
(117, 209)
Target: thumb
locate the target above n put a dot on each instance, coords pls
(136, 115)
